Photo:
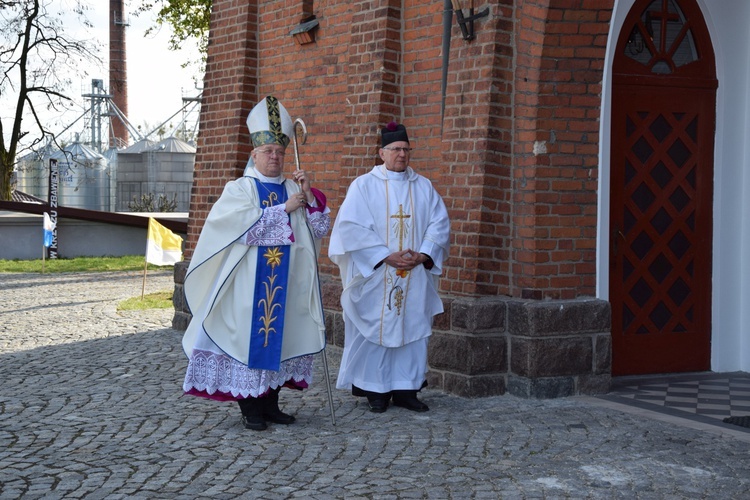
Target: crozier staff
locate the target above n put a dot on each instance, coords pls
(252, 284)
(389, 240)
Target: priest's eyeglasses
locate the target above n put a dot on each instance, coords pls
(400, 150)
(271, 152)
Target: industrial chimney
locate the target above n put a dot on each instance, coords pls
(118, 74)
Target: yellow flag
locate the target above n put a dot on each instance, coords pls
(163, 247)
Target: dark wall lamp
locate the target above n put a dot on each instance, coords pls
(467, 23)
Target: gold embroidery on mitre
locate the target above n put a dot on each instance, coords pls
(274, 121)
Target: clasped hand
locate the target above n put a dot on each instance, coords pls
(405, 259)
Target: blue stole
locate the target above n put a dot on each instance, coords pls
(271, 279)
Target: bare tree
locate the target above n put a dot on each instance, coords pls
(36, 54)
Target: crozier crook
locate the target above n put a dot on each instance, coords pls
(299, 122)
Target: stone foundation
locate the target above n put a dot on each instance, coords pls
(182, 315)
(492, 345)
(559, 347)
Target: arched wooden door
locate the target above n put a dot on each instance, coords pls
(662, 146)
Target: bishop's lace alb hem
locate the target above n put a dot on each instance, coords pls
(211, 372)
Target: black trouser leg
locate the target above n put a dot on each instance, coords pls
(408, 400)
(378, 401)
(271, 411)
(252, 413)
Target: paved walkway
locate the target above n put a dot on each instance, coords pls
(91, 407)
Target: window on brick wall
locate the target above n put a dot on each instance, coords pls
(662, 39)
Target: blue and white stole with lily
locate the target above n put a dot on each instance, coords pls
(271, 280)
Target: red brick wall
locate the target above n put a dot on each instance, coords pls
(230, 91)
(523, 219)
(477, 138)
(558, 83)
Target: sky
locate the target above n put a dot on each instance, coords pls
(155, 79)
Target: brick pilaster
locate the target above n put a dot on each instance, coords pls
(230, 92)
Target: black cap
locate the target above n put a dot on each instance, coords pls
(393, 132)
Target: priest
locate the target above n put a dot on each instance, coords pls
(252, 285)
(390, 240)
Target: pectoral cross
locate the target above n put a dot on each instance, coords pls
(402, 228)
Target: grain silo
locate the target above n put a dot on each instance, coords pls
(110, 155)
(83, 178)
(32, 174)
(162, 168)
(129, 175)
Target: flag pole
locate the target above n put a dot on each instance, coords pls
(44, 255)
(145, 268)
(145, 257)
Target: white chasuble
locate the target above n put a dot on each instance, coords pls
(385, 212)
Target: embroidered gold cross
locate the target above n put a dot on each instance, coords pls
(402, 227)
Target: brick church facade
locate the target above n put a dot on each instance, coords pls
(561, 252)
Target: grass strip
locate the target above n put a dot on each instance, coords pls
(78, 265)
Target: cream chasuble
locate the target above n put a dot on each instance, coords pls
(220, 283)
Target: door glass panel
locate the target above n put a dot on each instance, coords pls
(660, 268)
(643, 197)
(692, 130)
(660, 316)
(662, 39)
(642, 150)
(679, 292)
(686, 51)
(661, 174)
(641, 292)
(661, 68)
(642, 245)
(679, 244)
(661, 221)
(679, 199)
(679, 153)
(660, 128)
(636, 47)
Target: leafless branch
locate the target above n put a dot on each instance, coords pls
(36, 54)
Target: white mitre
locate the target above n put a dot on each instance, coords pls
(269, 123)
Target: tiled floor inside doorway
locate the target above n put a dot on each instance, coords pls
(703, 397)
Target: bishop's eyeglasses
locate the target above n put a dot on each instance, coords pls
(271, 152)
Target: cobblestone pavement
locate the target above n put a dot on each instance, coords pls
(91, 407)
